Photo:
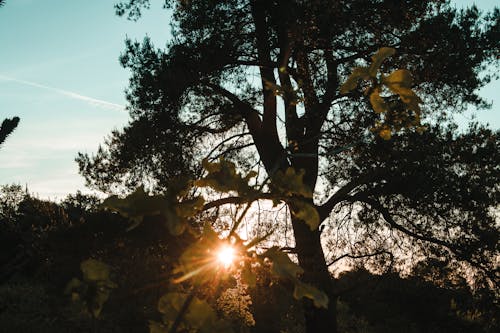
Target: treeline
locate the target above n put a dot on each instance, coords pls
(43, 243)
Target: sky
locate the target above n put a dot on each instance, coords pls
(59, 72)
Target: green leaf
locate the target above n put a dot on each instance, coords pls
(358, 73)
(377, 102)
(290, 183)
(378, 58)
(176, 214)
(99, 299)
(302, 289)
(72, 285)
(139, 204)
(282, 266)
(307, 213)
(198, 314)
(94, 270)
(136, 205)
(189, 208)
(222, 176)
(171, 303)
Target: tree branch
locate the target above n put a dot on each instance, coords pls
(342, 194)
(386, 214)
(347, 255)
(237, 200)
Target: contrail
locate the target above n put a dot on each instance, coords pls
(90, 100)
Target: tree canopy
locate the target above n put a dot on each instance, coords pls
(354, 100)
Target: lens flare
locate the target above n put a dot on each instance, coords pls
(226, 255)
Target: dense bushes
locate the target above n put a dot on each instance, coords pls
(43, 243)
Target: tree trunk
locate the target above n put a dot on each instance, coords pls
(312, 260)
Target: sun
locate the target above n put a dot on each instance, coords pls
(226, 255)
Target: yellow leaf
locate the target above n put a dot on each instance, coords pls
(400, 77)
(358, 73)
(378, 58)
(400, 82)
(385, 133)
(377, 102)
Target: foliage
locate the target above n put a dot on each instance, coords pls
(416, 186)
(8, 125)
(389, 303)
(198, 263)
(95, 287)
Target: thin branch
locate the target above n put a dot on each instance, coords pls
(386, 214)
(347, 255)
(237, 200)
(342, 194)
(233, 149)
(182, 312)
(239, 135)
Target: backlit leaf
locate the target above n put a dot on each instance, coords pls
(136, 205)
(282, 266)
(290, 183)
(400, 77)
(358, 73)
(198, 314)
(307, 213)
(222, 176)
(378, 58)
(377, 102)
(400, 82)
(302, 289)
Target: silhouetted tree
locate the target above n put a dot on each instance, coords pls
(8, 125)
(259, 81)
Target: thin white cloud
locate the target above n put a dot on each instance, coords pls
(70, 94)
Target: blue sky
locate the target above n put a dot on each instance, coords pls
(59, 72)
(72, 47)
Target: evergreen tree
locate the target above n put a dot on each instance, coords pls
(7, 127)
(262, 83)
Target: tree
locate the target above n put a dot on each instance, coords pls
(264, 83)
(8, 125)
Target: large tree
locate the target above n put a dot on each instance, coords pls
(259, 82)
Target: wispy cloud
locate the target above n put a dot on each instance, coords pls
(70, 94)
